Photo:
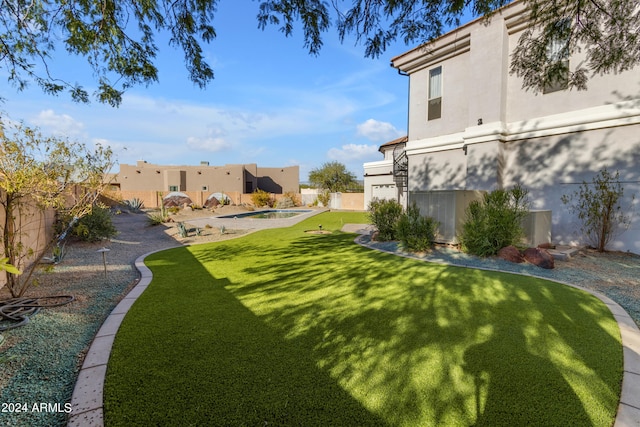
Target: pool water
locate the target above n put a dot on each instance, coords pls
(268, 214)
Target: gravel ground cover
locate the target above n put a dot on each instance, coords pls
(39, 362)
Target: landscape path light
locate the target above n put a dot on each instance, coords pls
(104, 258)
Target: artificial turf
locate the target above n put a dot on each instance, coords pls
(281, 327)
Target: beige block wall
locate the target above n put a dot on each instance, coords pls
(37, 228)
(153, 199)
(352, 201)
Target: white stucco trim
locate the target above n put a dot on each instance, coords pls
(378, 163)
(438, 143)
(378, 168)
(606, 116)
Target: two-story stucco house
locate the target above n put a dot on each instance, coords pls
(472, 126)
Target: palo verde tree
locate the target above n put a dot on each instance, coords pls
(118, 37)
(39, 173)
(333, 177)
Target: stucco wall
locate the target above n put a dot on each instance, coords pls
(493, 133)
(552, 166)
(228, 178)
(442, 170)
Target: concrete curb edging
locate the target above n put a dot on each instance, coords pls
(87, 399)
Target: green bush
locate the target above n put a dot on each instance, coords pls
(384, 215)
(95, 226)
(495, 221)
(597, 206)
(261, 198)
(157, 218)
(416, 232)
(324, 198)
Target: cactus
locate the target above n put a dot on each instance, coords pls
(182, 230)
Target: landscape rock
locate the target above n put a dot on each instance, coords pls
(539, 257)
(212, 202)
(511, 254)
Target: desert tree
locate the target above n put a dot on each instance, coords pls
(333, 177)
(118, 37)
(37, 174)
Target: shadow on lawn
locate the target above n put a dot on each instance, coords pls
(320, 331)
(409, 339)
(190, 353)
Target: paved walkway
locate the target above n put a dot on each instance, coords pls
(87, 400)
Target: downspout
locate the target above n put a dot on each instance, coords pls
(400, 192)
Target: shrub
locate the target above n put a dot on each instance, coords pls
(597, 206)
(325, 198)
(384, 215)
(495, 221)
(295, 198)
(157, 218)
(261, 198)
(95, 226)
(416, 232)
(285, 203)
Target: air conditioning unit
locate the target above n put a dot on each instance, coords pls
(537, 228)
(448, 208)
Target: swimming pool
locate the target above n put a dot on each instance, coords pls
(268, 214)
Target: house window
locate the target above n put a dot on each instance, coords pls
(173, 188)
(205, 188)
(558, 57)
(434, 109)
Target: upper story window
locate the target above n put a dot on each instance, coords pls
(173, 188)
(434, 109)
(558, 57)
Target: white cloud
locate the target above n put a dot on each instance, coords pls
(377, 131)
(211, 144)
(59, 124)
(350, 152)
(216, 140)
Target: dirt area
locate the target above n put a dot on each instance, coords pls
(206, 234)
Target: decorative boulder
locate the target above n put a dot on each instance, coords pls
(212, 202)
(176, 199)
(511, 254)
(540, 257)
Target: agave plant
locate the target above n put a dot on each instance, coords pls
(135, 205)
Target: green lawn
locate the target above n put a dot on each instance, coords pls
(281, 327)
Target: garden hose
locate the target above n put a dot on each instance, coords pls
(15, 312)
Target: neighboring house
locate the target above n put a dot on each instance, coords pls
(230, 178)
(380, 181)
(473, 127)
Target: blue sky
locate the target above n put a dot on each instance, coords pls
(271, 103)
